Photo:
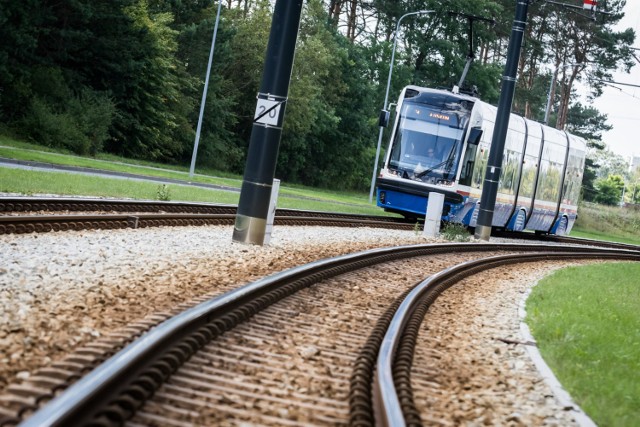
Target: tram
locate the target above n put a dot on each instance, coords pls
(440, 142)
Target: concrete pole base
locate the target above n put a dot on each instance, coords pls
(483, 232)
(249, 230)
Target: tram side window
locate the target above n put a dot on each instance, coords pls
(550, 173)
(480, 166)
(571, 191)
(467, 165)
(546, 181)
(529, 168)
(480, 153)
(514, 145)
(509, 173)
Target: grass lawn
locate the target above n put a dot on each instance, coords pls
(36, 182)
(587, 324)
(632, 239)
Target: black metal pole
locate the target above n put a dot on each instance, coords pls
(253, 207)
(494, 164)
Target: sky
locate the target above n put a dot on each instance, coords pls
(622, 107)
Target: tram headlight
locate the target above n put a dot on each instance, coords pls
(383, 197)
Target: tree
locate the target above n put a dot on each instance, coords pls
(609, 190)
(609, 163)
(587, 122)
(327, 129)
(589, 190)
(595, 46)
(43, 96)
(146, 80)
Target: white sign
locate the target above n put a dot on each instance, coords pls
(267, 112)
(590, 4)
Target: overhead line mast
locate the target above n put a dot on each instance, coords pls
(505, 102)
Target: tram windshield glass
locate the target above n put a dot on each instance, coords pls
(428, 140)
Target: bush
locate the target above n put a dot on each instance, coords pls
(82, 125)
(609, 191)
(46, 127)
(608, 219)
(93, 112)
(455, 232)
(163, 193)
(59, 117)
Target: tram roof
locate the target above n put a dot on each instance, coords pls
(446, 95)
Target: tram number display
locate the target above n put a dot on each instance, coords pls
(267, 112)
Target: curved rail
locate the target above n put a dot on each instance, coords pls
(116, 388)
(562, 239)
(46, 223)
(59, 204)
(392, 387)
(178, 214)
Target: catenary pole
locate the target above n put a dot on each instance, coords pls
(204, 93)
(494, 163)
(253, 207)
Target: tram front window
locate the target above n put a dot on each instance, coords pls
(427, 144)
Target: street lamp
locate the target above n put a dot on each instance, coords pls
(552, 89)
(386, 96)
(204, 93)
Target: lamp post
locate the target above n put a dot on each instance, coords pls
(386, 95)
(552, 86)
(204, 93)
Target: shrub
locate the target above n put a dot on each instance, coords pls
(163, 193)
(53, 129)
(59, 117)
(455, 232)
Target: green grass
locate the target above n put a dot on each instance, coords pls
(609, 237)
(111, 163)
(36, 182)
(587, 324)
(325, 200)
(612, 223)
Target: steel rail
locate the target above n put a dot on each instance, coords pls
(144, 364)
(14, 224)
(31, 204)
(562, 239)
(392, 390)
(27, 204)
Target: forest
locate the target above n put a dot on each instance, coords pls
(126, 76)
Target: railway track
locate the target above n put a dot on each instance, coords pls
(23, 215)
(296, 348)
(29, 215)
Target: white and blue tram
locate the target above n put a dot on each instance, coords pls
(440, 142)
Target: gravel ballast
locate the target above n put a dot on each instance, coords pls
(61, 290)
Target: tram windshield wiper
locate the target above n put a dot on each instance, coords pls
(431, 169)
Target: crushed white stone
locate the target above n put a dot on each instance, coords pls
(60, 290)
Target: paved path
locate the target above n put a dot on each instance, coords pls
(41, 166)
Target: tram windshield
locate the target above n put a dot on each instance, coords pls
(428, 141)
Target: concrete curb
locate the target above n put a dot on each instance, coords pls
(547, 374)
